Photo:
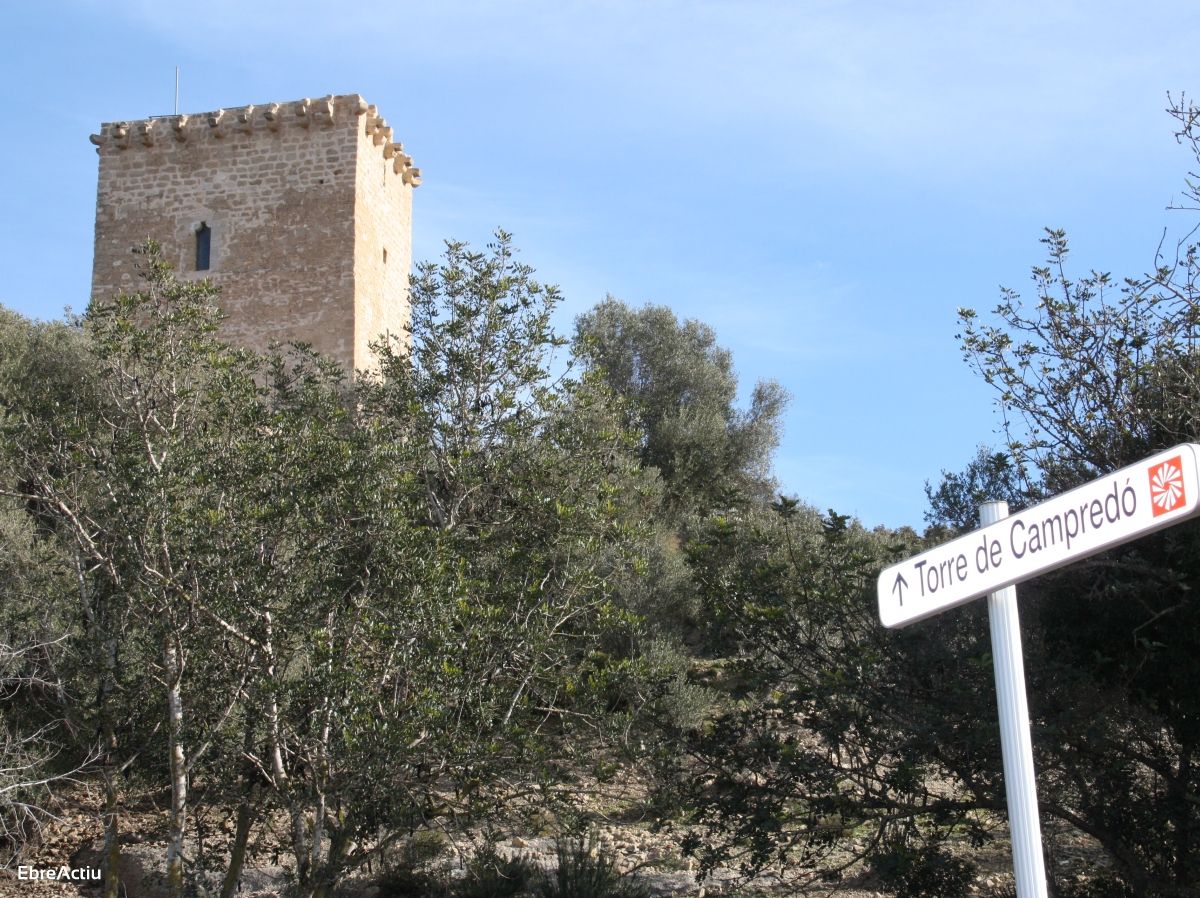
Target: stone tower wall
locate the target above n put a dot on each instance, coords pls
(301, 199)
(383, 234)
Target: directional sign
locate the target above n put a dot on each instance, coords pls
(1155, 493)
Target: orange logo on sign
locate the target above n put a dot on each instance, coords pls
(1166, 486)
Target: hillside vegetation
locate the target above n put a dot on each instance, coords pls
(472, 590)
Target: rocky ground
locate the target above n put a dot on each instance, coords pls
(74, 839)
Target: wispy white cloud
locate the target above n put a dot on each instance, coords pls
(922, 79)
(911, 84)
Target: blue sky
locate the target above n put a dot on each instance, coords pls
(822, 182)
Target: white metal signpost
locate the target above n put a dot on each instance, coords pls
(1150, 495)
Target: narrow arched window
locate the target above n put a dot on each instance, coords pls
(203, 246)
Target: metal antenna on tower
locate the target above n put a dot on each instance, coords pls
(177, 90)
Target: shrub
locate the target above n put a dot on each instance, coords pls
(1106, 885)
(924, 872)
(584, 872)
(489, 875)
(406, 881)
(412, 877)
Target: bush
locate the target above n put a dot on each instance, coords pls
(489, 875)
(1106, 885)
(685, 705)
(925, 872)
(406, 881)
(583, 872)
(412, 876)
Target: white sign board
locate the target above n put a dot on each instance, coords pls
(1155, 493)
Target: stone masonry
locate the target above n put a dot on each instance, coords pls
(303, 209)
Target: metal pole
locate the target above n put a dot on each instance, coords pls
(177, 90)
(1020, 786)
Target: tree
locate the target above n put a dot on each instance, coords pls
(840, 734)
(119, 466)
(682, 390)
(371, 606)
(501, 500)
(679, 394)
(35, 730)
(988, 476)
(36, 727)
(837, 741)
(1095, 374)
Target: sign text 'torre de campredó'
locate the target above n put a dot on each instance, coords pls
(1152, 494)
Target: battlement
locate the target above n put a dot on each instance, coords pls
(300, 212)
(266, 119)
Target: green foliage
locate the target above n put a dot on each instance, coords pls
(534, 497)
(954, 505)
(1094, 374)
(582, 871)
(365, 605)
(1105, 885)
(834, 727)
(490, 875)
(476, 391)
(678, 392)
(685, 705)
(47, 363)
(585, 872)
(681, 387)
(405, 881)
(415, 873)
(831, 727)
(922, 872)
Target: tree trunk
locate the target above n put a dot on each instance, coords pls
(325, 876)
(178, 767)
(111, 863)
(237, 852)
(245, 820)
(1183, 811)
(319, 775)
(278, 771)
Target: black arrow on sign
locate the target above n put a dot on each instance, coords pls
(899, 586)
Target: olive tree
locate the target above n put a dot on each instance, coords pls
(843, 742)
(682, 391)
(1094, 373)
(372, 606)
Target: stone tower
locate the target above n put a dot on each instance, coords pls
(300, 212)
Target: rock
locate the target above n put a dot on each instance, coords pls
(140, 868)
